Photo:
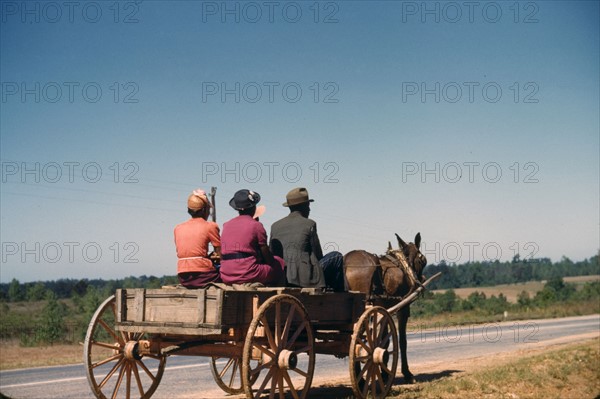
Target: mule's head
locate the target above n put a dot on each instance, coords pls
(416, 260)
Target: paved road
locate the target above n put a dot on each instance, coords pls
(190, 377)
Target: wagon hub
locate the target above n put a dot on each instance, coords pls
(287, 359)
(131, 351)
(380, 356)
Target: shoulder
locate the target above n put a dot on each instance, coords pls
(183, 224)
(212, 226)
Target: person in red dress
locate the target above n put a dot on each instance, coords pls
(195, 266)
(246, 257)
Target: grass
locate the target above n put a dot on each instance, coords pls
(15, 356)
(570, 372)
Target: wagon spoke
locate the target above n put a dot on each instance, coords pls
(301, 372)
(265, 350)
(108, 329)
(229, 363)
(261, 367)
(278, 324)
(301, 327)
(152, 377)
(370, 331)
(268, 332)
(268, 377)
(281, 384)
(382, 327)
(373, 383)
(364, 345)
(106, 345)
(274, 384)
(366, 383)
(366, 368)
(286, 328)
(128, 381)
(119, 381)
(233, 373)
(361, 358)
(385, 368)
(385, 342)
(291, 385)
(107, 360)
(136, 374)
(110, 373)
(380, 379)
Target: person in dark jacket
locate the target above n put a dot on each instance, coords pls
(295, 238)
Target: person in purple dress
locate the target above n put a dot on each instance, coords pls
(245, 253)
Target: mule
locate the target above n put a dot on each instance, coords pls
(387, 277)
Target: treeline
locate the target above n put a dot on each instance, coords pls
(471, 274)
(68, 288)
(482, 274)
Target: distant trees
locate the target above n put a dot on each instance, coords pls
(15, 291)
(479, 274)
(67, 288)
(555, 291)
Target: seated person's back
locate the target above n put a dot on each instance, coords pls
(195, 268)
(246, 257)
(296, 235)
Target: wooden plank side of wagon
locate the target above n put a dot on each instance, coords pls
(215, 310)
(170, 311)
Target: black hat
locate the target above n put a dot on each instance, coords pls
(244, 199)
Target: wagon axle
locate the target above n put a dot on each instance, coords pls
(287, 360)
(134, 350)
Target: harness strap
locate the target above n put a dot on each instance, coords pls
(412, 279)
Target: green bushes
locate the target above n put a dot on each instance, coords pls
(555, 292)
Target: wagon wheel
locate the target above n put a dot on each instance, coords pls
(113, 365)
(280, 335)
(372, 362)
(227, 373)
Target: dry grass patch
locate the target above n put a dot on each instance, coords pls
(14, 356)
(570, 372)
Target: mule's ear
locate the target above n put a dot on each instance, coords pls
(389, 246)
(418, 240)
(401, 243)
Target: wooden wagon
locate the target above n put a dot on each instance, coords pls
(260, 341)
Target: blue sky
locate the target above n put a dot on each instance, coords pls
(479, 129)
